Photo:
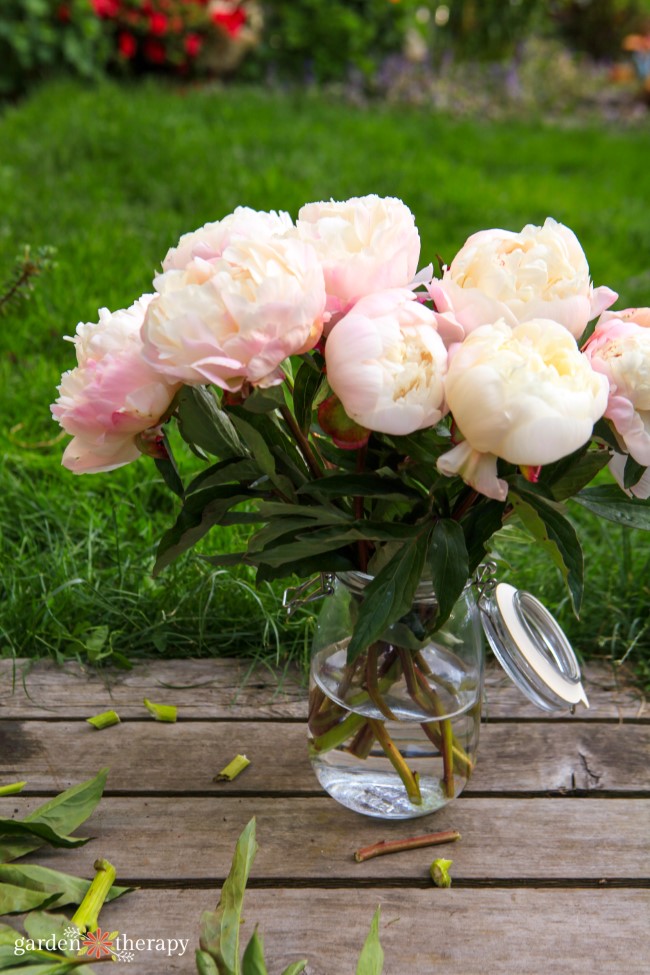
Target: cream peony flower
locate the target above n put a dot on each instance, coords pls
(525, 394)
(386, 362)
(365, 244)
(211, 240)
(234, 319)
(112, 395)
(541, 272)
(619, 349)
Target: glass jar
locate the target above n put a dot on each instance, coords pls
(395, 734)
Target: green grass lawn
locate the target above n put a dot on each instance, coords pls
(111, 177)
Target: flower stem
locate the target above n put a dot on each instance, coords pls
(446, 733)
(302, 441)
(86, 916)
(398, 846)
(338, 734)
(396, 759)
(372, 684)
(361, 744)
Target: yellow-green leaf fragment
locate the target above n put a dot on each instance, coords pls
(12, 789)
(161, 712)
(440, 872)
(104, 720)
(232, 769)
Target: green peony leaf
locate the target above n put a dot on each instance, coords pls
(307, 384)
(611, 503)
(371, 960)
(449, 565)
(202, 423)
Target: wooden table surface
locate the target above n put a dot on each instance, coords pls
(551, 873)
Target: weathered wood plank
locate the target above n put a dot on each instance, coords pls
(149, 756)
(175, 840)
(456, 932)
(229, 688)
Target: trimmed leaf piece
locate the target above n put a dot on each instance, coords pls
(104, 720)
(296, 968)
(390, 595)
(161, 712)
(18, 900)
(232, 769)
(557, 536)
(12, 789)
(43, 880)
(205, 963)
(439, 871)
(53, 822)
(334, 421)
(220, 929)
(253, 960)
(449, 565)
(609, 502)
(371, 960)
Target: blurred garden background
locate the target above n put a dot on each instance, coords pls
(125, 123)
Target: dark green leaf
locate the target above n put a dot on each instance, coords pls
(609, 502)
(232, 470)
(557, 536)
(325, 514)
(371, 960)
(257, 443)
(168, 469)
(200, 512)
(220, 929)
(390, 595)
(603, 431)
(203, 423)
(633, 472)
(307, 544)
(479, 525)
(253, 960)
(304, 567)
(265, 400)
(449, 565)
(306, 386)
(571, 474)
(388, 487)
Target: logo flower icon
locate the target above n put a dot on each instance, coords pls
(98, 943)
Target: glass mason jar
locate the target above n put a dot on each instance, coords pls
(395, 734)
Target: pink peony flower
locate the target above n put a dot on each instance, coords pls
(541, 272)
(365, 244)
(525, 394)
(619, 349)
(386, 362)
(234, 318)
(112, 395)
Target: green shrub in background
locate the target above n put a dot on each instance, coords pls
(40, 38)
(323, 41)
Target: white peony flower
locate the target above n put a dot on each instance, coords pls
(386, 362)
(525, 394)
(541, 272)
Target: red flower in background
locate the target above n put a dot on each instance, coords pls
(231, 21)
(63, 13)
(158, 23)
(127, 45)
(193, 44)
(106, 8)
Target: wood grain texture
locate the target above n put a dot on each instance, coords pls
(423, 932)
(236, 689)
(148, 756)
(311, 841)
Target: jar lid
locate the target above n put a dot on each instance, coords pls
(532, 648)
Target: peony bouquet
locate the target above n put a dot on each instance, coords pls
(365, 415)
